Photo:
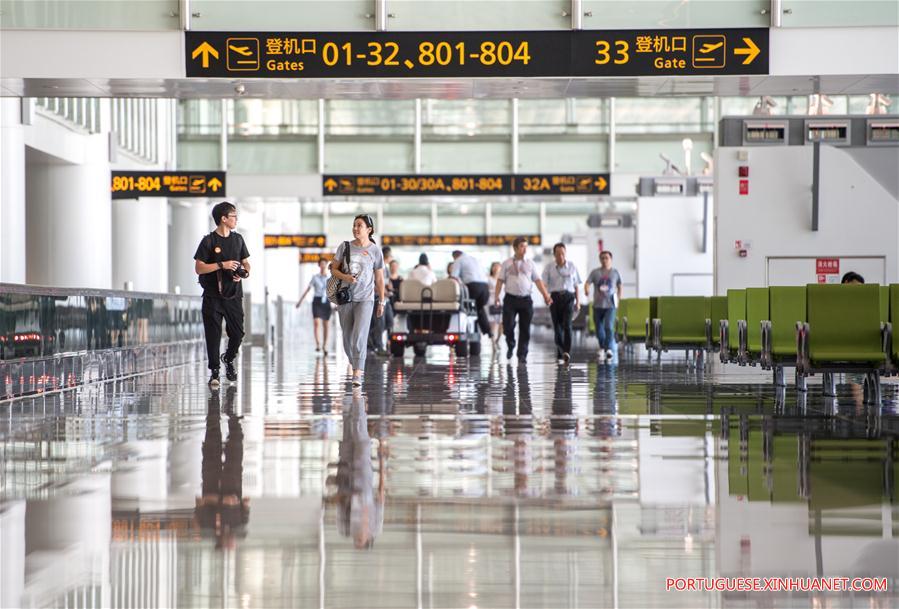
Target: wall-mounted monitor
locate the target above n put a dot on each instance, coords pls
(765, 133)
(883, 132)
(834, 132)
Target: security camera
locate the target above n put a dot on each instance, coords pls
(709, 163)
(670, 168)
(763, 105)
(240, 89)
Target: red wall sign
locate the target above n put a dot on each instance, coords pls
(827, 266)
(744, 187)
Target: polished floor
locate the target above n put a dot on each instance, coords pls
(445, 482)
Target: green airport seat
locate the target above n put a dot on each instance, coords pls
(786, 306)
(634, 320)
(884, 304)
(891, 345)
(653, 314)
(728, 329)
(680, 323)
(716, 310)
(843, 333)
(619, 319)
(751, 328)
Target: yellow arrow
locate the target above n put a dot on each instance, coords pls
(214, 184)
(330, 184)
(750, 50)
(205, 50)
(601, 183)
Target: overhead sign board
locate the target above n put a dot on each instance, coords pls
(426, 240)
(517, 54)
(465, 185)
(134, 184)
(314, 257)
(271, 241)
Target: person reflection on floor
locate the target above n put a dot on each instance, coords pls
(360, 511)
(222, 510)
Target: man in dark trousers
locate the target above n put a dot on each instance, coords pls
(222, 262)
(467, 270)
(519, 276)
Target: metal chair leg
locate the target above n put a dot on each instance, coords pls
(779, 377)
(830, 385)
(873, 390)
(801, 382)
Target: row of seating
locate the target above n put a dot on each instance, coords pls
(816, 328)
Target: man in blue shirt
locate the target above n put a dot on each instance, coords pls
(562, 280)
(467, 270)
(607, 282)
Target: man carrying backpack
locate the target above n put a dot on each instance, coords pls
(222, 263)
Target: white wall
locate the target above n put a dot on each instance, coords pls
(669, 247)
(858, 216)
(12, 192)
(69, 216)
(140, 243)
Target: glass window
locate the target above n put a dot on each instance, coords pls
(558, 116)
(467, 117)
(370, 117)
(658, 115)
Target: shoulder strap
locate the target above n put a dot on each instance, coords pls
(346, 255)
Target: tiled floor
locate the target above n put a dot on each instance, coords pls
(445, 482)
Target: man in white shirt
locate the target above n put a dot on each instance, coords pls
(467, 270)
(562, 280)
(519, 276)
(422, 272)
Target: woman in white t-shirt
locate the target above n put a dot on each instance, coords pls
(423, 272)
(321, 307)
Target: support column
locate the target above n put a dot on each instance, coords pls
(12, 191)
(140, 244)
(69, 219)
(190, 221)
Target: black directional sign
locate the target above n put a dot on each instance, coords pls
(723, 51)
(465, 185)
(133, 184)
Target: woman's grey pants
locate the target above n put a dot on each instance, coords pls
(355, 319)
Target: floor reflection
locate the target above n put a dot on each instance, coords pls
(444, 482)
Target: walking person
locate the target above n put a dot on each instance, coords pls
(385, 322)
(519, 275)
(496, 310)
(321, 307)
(366, 278)
(221, 261)
(467, 270)
(607, 283)
(563, 282)
(396, 280)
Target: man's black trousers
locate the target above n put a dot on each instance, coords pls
(214, 310)
(479, 292)
(562, 310)
(523, 308)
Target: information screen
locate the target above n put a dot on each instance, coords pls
(645, 52)
(465, 185)
(271, 241)
(181, 184)
(426, 240)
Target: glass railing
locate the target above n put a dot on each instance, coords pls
(54, 338)
(45, 322)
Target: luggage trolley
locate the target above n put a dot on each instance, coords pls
(441, 314)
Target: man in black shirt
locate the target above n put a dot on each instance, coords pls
(222, 263)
